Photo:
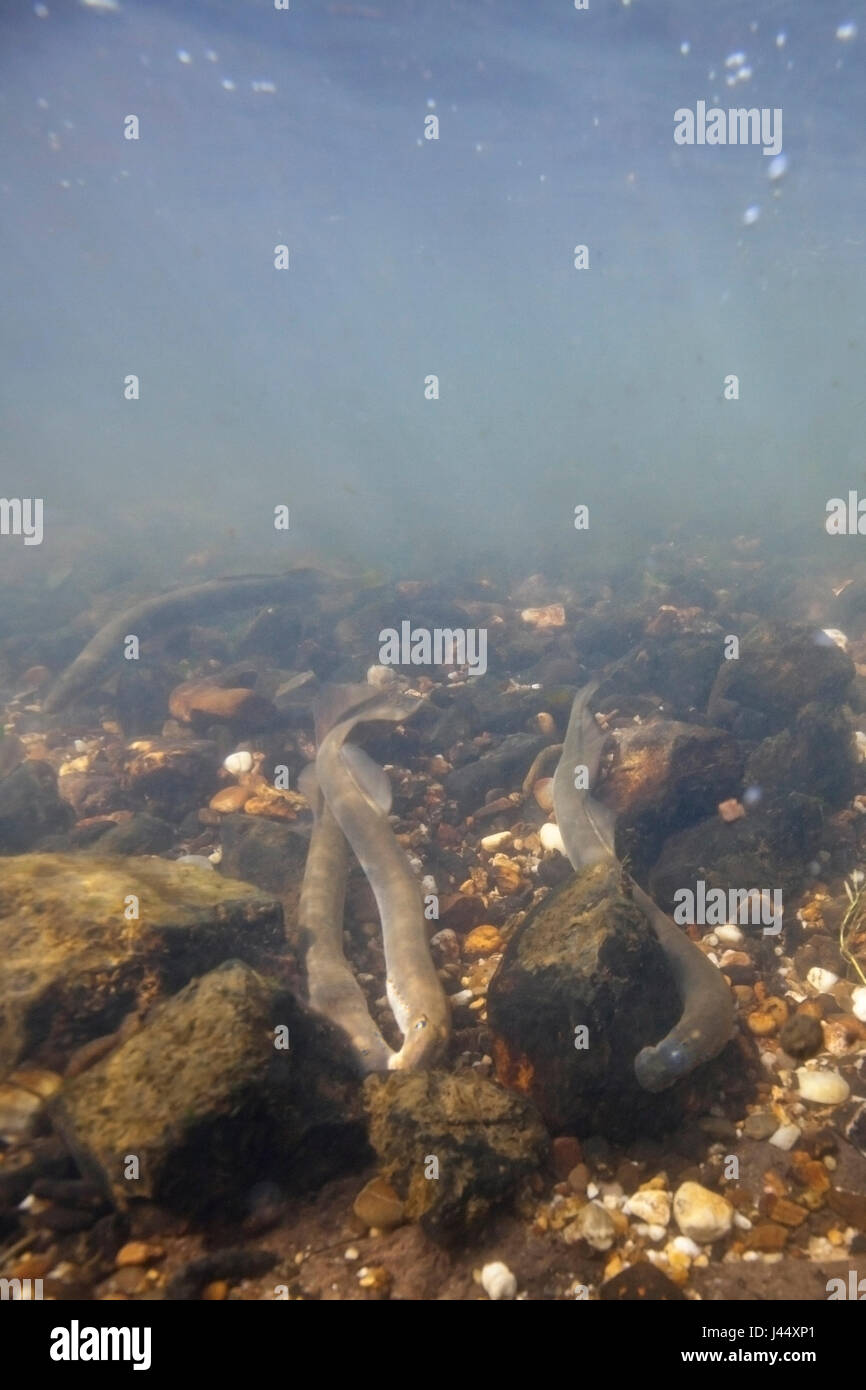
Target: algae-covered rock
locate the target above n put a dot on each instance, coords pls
(584, 959)
(771, 847)
(781, 667)
(206, 1099)
(817, 756)
(452, 1147)
(30, 807)
(73, 962)
(267, 853)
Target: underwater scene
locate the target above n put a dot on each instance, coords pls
(433, 656)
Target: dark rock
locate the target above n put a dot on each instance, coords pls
(503, 767)
(170, 777)
(679, 669)
(781, 668)
(801, 1036)
(267, 853)
(667, 775)
(207, 1103)
(142, 834)
(641, 1281)
(769, 848)
(231, 1264)
(816, 756)
(585, 956)
(30, 807)
(72, 965)
(486, 1141)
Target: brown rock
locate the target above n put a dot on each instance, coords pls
(378, 1206)
(138, 1252)
(786, 1213)
(567, 1154)
(801, 1036)
(851, 1206)
(767, 1237)
(229, 799)
(211, 702)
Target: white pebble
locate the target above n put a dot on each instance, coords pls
(822, 1087)
(216, 857)
(742, 1221)
(685, 1246)
(821, 980)
(492, 842)
(860, 743)
(650, 1205)
(837, 636)
(238, 763)
(550, 837)
(353, 1253)
(428, 883)
(381, 675)
(498, 1282)
(729, 934)
(463, 997)
(858, 1003)
(702, 1215)
(785, 1137)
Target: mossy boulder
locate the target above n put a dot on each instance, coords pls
(231, 1082)
(73, 963)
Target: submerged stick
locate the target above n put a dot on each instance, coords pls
(165, 610)
(587, 828)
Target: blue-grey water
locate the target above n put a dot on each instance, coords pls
(412, 257)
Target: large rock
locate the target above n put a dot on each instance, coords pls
(267, 853)
(816, 756)
(667, 775)
(30, 807)
(585, 957)
(201, 1103)
(771, 847)
(72, 965)
(781, 668)
(504, 767)
(485, 1141)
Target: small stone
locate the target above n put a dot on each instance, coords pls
(498, 1282)
(567, 1154)
(506, 874)
(482, 941)
(821, 980)
(650, 1205)
(544, 619)
(760, 1125)
(377, 1204)
(238, 763)
(494, 842)
(230, 799)
(768, 1018)
(137, 1252)
(731, 810)
(641, 1282)
(729, 934)
(858, 1003)
(594, 1225)
(130, 1279)
(785, 1137)
(543, 793)
(801, 1036)
(768, 1237)
(702, 1215)
(578, 1179)
(545, 723)
(353, 1253)
(550, 837)
(216, 1292)
(822, 1087)
(376, 1278)
(786, 1213)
